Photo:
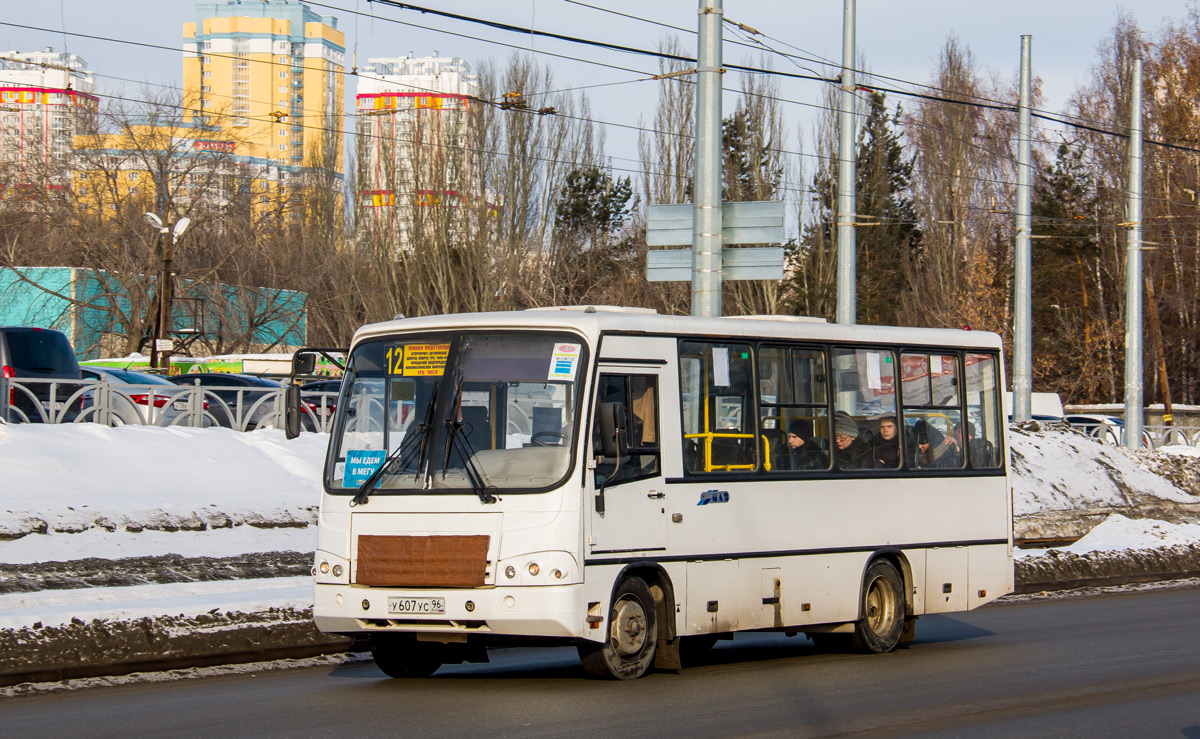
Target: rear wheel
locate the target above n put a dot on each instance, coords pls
(399, 656)
(628, 652)
(883, 609)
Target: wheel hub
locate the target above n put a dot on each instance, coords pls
(628, 627)
(880, 605)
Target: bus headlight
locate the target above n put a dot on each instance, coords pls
(541, 568)
(331, 569)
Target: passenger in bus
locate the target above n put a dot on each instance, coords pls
(802, 451)
(885, 448)
(979, 450)
(950, 454)
(852, 452)
(929, 445)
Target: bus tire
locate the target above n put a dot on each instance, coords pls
(883, 610)
(400, 656)
(628, 652)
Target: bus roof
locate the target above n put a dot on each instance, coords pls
(593, 321)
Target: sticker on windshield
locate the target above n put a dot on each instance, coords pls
(361, 464)
(563, 362)
(419, 360)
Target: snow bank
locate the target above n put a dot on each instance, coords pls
(69, 479)
(1119, 533)
(1057, 469)
(62, 607)
(1065, 482)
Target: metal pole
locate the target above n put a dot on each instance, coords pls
(706, 235)
(162, 286)
(1022, 406)
(847, 248)
(1133, 269)
(164, 317)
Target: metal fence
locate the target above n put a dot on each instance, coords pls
(247, 408)
(29, 400)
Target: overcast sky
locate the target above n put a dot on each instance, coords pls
(898, 39)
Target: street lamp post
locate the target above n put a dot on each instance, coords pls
(167, 238)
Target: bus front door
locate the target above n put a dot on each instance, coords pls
(629, 510)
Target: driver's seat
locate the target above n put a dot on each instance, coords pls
(477, 426)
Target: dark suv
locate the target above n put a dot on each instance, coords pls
(42, 375)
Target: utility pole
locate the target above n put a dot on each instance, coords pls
(706, 224)
(847, 249)
(1134, 406)
(167, 237)
(1022, 397)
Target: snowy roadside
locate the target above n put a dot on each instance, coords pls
(141, 546)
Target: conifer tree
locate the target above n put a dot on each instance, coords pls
(885, 251)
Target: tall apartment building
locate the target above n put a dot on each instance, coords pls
(416, 126)
(268, 75)
(45, 97)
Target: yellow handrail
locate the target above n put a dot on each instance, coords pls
(708, 437)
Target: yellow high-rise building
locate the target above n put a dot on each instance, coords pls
(268, 75)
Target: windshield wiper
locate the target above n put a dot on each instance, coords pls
(456, 440)
(418, 439)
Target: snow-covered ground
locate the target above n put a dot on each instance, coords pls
(1117, 533)
(68, 479)
(207, 525)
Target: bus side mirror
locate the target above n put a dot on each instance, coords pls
(303, 363)
(291, 409)
(613, 433)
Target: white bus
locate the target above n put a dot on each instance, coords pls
(640, 485)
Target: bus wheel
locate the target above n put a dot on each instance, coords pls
(628, 652)
(401, 656)
(882, 620)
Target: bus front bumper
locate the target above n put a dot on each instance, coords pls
(541, 610)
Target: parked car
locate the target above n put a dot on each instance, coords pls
(140, 398)
(321, 397)
(242, 401)
(1110, 429)
(46, 373)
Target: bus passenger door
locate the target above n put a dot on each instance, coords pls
(628, 511)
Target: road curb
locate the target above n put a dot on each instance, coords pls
(1059, 570)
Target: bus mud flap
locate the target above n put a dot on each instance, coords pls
(666, 655)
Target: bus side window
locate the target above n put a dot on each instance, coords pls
(638, 395)
(930, 397)
(793, 409)
(983, 412)
(719, 424)
(865, 401)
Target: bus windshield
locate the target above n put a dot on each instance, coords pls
(458, 412)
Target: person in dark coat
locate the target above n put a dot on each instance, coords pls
(802, 452)
(929, 445)
(852, 452)
(885, 448)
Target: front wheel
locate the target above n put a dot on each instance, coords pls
(405, 657)
(628, 652)
(883, 609)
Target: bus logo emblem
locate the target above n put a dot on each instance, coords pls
(714, 496)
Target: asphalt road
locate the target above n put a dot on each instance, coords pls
(1113, 665)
